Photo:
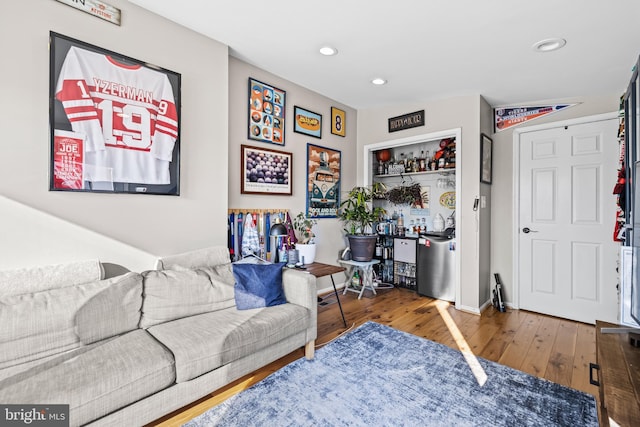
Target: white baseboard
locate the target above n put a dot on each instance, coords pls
(330, 289)
(484, 306)
(490, 303)
(471, 310)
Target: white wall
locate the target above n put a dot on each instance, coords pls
(440, 115)
(502, 221)
(43, 239)
(486, 212)
(157, 225)
(329, 234)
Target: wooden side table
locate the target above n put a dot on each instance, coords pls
(319, 269)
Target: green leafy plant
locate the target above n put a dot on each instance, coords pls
(304, 226)
(407, 195)
(356, 210)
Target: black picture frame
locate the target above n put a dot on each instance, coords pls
(338, 122)
(267, 111)
(486, 159)
(406, 121)
(114, 121)
(307, 122)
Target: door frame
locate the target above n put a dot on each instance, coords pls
(456, 133)
(517, 134)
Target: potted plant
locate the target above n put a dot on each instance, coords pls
(306, 245)
(358, 216)
(407, 195)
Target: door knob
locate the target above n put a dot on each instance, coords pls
(527, 230)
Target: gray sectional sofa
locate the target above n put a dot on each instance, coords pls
(129, 349)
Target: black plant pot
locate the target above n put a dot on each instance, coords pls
(362, 247)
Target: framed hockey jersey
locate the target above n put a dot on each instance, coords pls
(114, 121)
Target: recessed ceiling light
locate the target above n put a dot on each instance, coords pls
(378, 81)
(549, 45)
(328, 50)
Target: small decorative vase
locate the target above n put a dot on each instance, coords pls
(306, 252)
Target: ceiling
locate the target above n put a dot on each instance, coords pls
(426, 49)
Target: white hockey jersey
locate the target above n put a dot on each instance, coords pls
(127, 112)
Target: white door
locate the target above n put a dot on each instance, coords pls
(567, 257)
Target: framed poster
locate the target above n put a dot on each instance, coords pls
(338, 122)
(307, 122)
(114, 122)
(486, 159)
(266, 112)
(264, 171)
(323, 181)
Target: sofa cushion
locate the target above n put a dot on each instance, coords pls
(206, 257)
(97, 380)
(113, 311)
(207, 341)
(258, 285)
(42, 278)
(37, 325)
(173, 294)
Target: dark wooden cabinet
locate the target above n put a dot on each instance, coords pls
(619, 378)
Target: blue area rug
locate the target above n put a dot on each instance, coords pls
(379, 376)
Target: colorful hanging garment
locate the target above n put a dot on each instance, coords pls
(291, 234)
(231, 225)
(250, 239)
(239, 237)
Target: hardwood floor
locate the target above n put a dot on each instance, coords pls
(548, 347)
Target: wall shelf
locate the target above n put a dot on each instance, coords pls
(439, 171)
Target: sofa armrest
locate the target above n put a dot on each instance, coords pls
(300, 288)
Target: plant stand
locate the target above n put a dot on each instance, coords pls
(365, 268)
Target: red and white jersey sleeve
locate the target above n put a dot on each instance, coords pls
(127, 112)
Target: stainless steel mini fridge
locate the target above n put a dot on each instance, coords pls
(404, 262)
(436, 266)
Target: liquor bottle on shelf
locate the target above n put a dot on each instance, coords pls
(422, 161)
(452, 155)
(442, 158)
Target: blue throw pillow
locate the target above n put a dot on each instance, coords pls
(258, 285)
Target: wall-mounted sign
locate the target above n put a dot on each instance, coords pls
(307, 122)
(338, 122)
(96, 8)
(406, 121)
(507, 117)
